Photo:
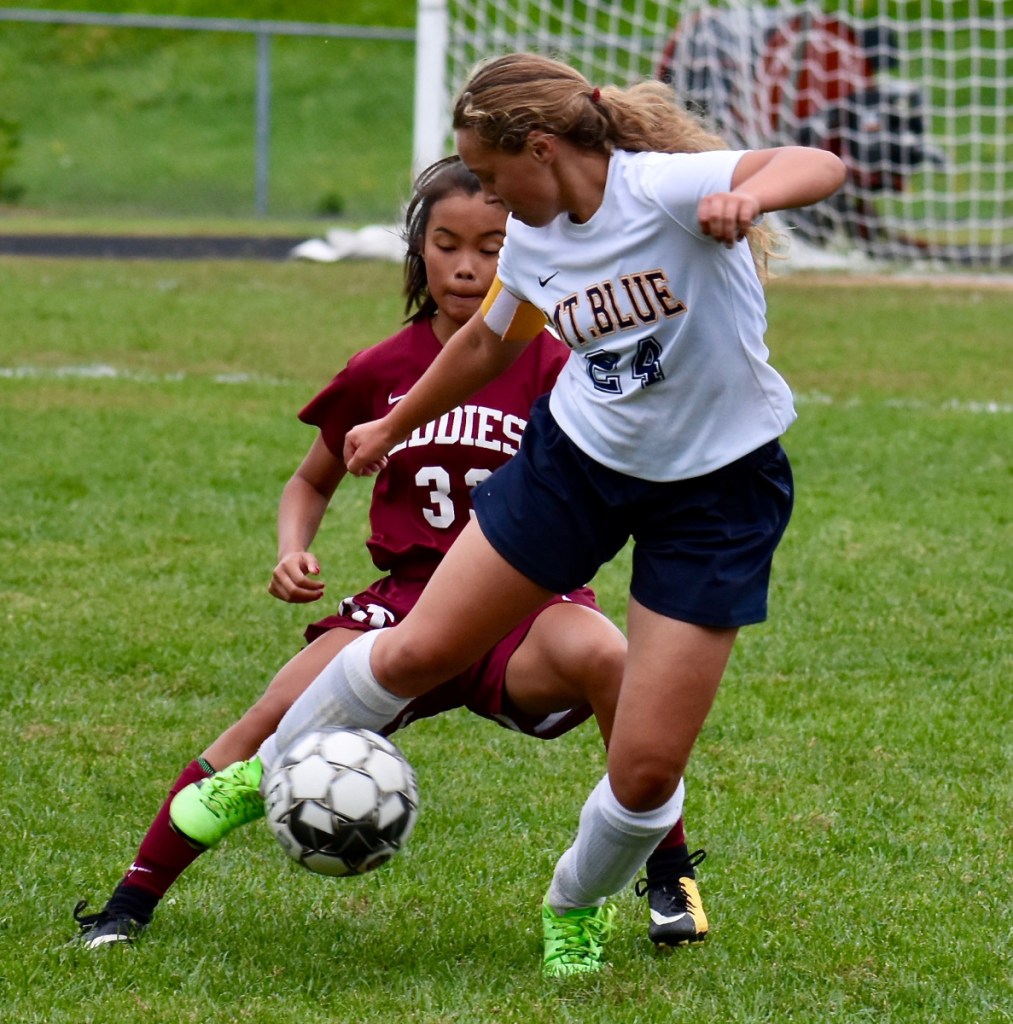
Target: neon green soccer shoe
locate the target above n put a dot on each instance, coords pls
(574, 939)
(204, 812)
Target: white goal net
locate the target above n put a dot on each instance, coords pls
(913, 96)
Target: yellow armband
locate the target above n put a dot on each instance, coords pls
(511, 318)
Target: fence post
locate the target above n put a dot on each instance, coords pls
(263, 120)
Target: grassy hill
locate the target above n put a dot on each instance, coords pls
(153, 123)
(353, 12)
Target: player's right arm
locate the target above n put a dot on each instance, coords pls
(486, 346)
(765, 180)
(304, 501)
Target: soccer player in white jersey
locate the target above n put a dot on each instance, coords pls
(634, 232)
(540, 677)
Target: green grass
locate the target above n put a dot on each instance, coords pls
(128, 123)
(112, 124)
(852, 786)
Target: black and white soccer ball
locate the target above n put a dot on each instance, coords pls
(342, 801)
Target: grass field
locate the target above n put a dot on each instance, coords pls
(853, 786)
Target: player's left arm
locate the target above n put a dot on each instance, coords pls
(765, 180)
(476, 353)
(304, 501)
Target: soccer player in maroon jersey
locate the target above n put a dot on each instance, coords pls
(557, 668)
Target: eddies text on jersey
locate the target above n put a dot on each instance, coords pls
(477, 425)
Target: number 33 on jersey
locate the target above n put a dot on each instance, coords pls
(441, 462)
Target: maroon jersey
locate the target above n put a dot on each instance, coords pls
(421, 499)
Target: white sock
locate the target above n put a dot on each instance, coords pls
(612, 845)
(345, 693)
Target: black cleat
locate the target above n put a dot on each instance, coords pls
(677, 915)
(122, 919)
(106, 926)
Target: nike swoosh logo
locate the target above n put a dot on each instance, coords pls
(661, 919)
(543, 281)
(392, 398)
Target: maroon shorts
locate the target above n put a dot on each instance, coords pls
(482, 687)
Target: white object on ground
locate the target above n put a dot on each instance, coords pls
(373, 242)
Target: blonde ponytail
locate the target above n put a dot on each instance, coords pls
(508, 97)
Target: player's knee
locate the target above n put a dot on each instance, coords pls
(591, 669)
(415, 664)
(645, 783)
(604, 660)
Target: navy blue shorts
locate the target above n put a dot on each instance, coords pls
(702, 547)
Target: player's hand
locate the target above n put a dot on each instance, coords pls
(366, 447)
(727, 216)
(292, 579)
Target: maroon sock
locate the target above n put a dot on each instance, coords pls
(164, 854)
(677, 837)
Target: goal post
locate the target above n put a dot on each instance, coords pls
(914, 96)
(432, 99)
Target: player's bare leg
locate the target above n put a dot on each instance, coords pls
(474, 586)
(571, 655)
(574, 654)
(673, 670)
(163, 854)
(242, 739)
(372, 679)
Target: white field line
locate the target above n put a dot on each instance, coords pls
(949, 405)
(101, 371)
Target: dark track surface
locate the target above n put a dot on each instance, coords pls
(149, 247)
(271, 248)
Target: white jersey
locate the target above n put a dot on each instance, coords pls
(668, 376)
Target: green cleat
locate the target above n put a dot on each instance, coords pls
(204, 812)
(574, 940)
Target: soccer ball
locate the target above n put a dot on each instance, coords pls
(342, 801)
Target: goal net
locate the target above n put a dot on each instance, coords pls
(913, 96)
